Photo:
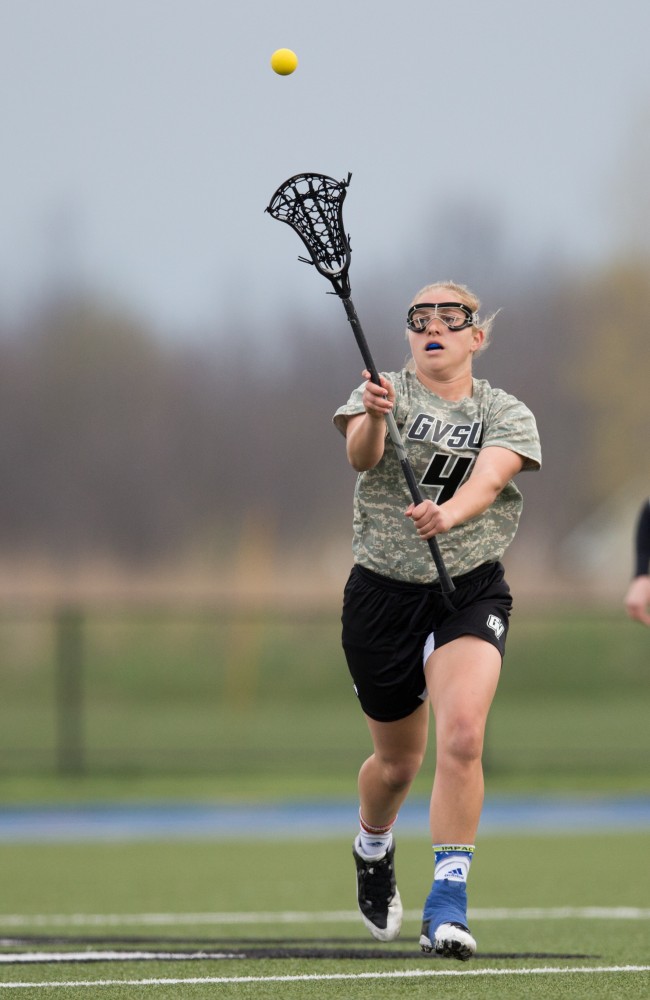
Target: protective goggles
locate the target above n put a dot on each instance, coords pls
(455, 315)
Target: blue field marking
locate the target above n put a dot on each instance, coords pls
(179, 820)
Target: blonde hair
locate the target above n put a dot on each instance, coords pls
(468, 298)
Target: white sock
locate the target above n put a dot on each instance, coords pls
(452, 861)
(373, 841)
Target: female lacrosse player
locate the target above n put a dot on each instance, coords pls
(637, 599)
(405, 642)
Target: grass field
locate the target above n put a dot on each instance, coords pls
(256, 708)
(564, 904)
(261, 705)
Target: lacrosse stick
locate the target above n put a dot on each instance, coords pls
(312, 204)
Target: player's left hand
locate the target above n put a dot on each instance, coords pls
(637, 600)
(429, 519)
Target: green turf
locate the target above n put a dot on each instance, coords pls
(235, 878)
(207, 708)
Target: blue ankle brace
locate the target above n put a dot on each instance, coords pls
(446, 904)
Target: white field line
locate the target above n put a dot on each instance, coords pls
(402, 974)
(13, 920)
(33, 957)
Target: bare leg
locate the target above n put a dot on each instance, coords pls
(386, 776)
(384, 781)
(462, 678)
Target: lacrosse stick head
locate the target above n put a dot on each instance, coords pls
(312, 204)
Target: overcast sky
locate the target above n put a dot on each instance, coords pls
(142, 139)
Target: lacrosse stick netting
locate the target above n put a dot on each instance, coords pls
(312, 204)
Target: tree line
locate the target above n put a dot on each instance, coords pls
(118, 441)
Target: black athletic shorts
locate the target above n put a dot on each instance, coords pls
(386, 624)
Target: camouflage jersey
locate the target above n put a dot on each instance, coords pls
(442, 439)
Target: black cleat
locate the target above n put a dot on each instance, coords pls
(378, 897)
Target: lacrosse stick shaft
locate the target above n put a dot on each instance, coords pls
(396, 438)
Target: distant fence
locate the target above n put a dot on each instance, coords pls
(233, 692)
(69, 677)
(86, 690)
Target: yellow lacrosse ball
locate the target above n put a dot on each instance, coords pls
(284, 61)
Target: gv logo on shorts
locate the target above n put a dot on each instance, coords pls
(496, 625)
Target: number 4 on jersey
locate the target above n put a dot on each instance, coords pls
(446, 472)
